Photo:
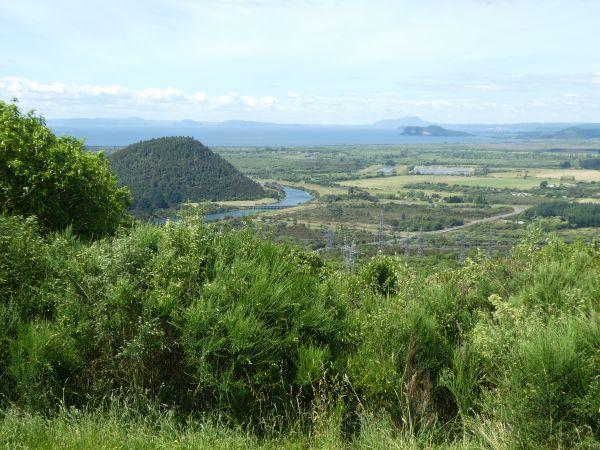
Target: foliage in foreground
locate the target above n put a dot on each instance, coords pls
(207, 322)
(55, 179)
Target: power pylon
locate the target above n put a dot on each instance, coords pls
(421, 245)
(463, 248)
(348, 254)
(329, 236)
(490, 246)
(381, 234)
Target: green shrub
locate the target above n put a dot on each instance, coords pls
(205, 319)
(55, 179)
(551, 392)
(384, 275)
(44, 364)
(262, 329)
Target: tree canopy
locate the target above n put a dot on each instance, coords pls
(165, 172)
(54, 178)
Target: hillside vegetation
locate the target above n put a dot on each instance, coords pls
(576, 214)
(196, 335)
(164, 172)
(577, 133)
(207, 321)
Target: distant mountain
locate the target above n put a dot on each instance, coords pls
(577, 133)
(248, 123)
(101, 122)
(165, 172)
(432, 130)
(410, 121)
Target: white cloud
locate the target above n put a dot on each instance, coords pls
(58, 99)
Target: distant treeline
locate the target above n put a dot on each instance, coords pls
(590, 163)
(577, 214)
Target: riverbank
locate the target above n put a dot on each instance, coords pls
(293, 197)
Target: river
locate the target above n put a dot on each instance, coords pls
(293, 197)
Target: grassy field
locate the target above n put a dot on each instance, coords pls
(242, 203)
(311, 187)
(515, 172)
(575, 174)
(588, 200)
(394, 184)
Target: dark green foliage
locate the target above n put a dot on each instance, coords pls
(565, 165)
(590, 163)
(383, 275)
(193, 316)
(208, 319)
(165, 172)
(453, 199)
(54, 178)
(577, 214)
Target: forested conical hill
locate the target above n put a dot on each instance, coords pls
(164, 172)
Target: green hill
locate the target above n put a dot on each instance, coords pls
(432, 130)
(165, 172)
(577, 133)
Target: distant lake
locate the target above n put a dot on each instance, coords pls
(273, 136)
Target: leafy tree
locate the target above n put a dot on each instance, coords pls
(54, 178)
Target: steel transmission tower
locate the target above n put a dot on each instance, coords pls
(348, 254)
(381, 234)
(463, 248)
(421, 245)
(329, 236)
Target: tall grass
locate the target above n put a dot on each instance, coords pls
(196, 335)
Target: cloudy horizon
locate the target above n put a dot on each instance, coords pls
(303, 61)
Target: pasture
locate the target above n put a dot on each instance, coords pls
(394, 184)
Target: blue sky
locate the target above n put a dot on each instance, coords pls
(326, 61)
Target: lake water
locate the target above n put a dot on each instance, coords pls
(273, 136)
(293, 197)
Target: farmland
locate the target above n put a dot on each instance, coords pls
(371, 194)
(189, 334)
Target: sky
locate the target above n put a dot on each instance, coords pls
(304, 61)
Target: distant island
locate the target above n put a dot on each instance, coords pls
(164, 172)
(431, 130)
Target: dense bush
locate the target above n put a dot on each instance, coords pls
(205, 319)
(191, 315)
(54, 178)
(577, 214)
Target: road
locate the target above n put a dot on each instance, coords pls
(517, 210)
